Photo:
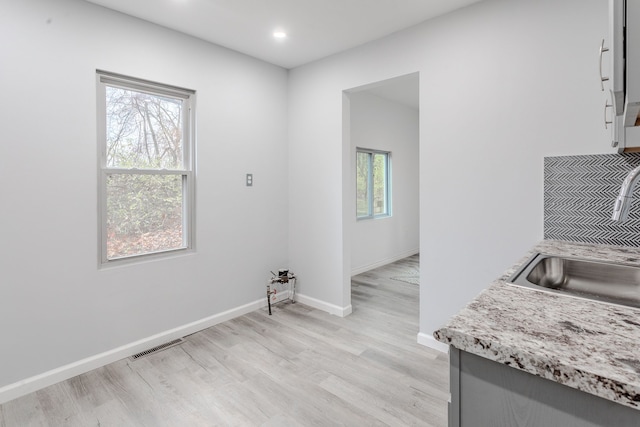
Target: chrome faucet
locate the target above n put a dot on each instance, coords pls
(623, 202)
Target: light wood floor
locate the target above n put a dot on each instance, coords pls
(298, 367)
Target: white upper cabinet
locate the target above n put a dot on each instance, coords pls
(621, 81)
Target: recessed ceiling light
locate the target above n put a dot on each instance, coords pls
(279, 34)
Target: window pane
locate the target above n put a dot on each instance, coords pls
(379, 184)
(144, 131)
(362, 184)
(144, 214)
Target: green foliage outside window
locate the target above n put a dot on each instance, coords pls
(144, 210)
(372, 177)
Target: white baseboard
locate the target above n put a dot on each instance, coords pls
(431, 342)
(324, 306)
(37, 382)
(359, 270)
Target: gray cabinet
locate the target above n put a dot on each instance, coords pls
(485, 393)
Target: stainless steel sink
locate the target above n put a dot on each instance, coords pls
(601, 281)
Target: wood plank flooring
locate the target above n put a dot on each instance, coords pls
(298, 367)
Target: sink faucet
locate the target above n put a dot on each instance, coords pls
(623, 202)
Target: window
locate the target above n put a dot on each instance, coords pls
(146, 147)
(372, 183)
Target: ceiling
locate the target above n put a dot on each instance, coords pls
(403, 90)
(315, 28)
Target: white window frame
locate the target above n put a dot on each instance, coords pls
(387, 186)
(187, 172)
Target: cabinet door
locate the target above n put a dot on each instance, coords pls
(490, 394)
(614, 46)
(624, 75)
(612, 70)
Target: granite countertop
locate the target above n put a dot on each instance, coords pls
(588, 345)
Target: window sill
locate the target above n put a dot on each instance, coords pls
(367, 218)
(144, 259)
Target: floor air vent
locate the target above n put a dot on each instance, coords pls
(156, 349)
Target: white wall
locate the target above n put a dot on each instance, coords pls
(503, 83)
(379, 124)
(56, 306)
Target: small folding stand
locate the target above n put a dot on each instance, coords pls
(283, 281)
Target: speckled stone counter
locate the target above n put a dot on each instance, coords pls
(588, 345)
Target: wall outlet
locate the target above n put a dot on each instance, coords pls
(249, 180)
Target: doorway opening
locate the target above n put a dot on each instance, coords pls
(382, 251)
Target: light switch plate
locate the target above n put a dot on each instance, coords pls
(249, 180)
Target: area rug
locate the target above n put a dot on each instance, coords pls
(412, 277)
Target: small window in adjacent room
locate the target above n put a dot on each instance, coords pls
(146, 152)
(372, 183)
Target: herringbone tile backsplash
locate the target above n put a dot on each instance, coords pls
(579, 193)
